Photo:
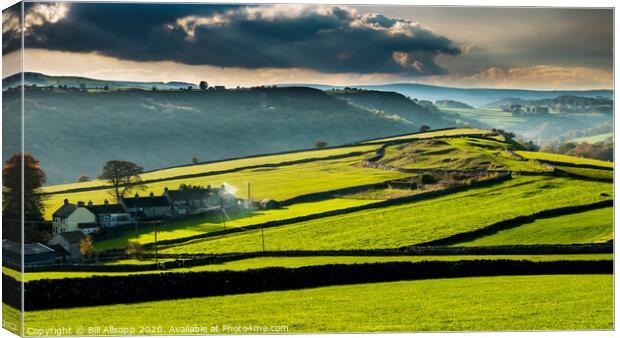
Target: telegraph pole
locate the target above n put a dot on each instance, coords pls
(156, 256)
(262, 234)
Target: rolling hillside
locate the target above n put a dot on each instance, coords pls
(164, 128)
(463, 207)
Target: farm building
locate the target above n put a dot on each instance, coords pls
(69, 216)
(189, 200)
(34, 253)
(110, 215)
(68, 241)
(148, 208)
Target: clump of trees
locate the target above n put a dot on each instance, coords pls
(321, 144)
(124, 177)
(82, 178)
(204, 85)
(424, 128)
(599, 151)
(195, 160)
(33, 202)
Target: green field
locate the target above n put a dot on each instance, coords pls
(588, 172)
(561, 302)
(225, 165)
(492, 117)
(276, 183)
(296, 262)
(430, 134)
(594, 138)
(11, 319)
(564, 159)
(457, 153)
(217, 222)
(412, 223)
(586, 227)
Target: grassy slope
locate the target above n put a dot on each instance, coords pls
(492, 117)
(588, 172)
(456, 153)
(593, 138)
(276, 183)
(449, 132)
(562, 302)
(295, 262)
(224, 165)
(564, 159)
(585, 227)
(413, 223)
(215, 222)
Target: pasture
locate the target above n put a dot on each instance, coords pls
(218, 222)
(296, 262)
(277, 183)
(412, 223)
(558, 302)
(593, 226)
(558, 158)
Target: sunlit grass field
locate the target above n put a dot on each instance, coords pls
(447, 133)
(564, 159)
(276, 183)
(412, 223)
(457, 153)
(559, 302)
(588, 172)
(226, 165)
(296, 262)
(219, 222)
(585, 227)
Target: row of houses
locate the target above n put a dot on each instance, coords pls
(186, 201)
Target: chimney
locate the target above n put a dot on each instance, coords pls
(66, 201)
(80, 204)
(152, 194)
(90, 203)
(223, 187)
(165, 190)
(209, 186)
(136, 195)
(105, 201)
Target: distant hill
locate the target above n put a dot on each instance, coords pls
(476, 97)
(73, 132)
(452, 104)
(562, 104)
(42, 80)
(393, 103)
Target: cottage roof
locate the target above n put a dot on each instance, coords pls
(106, 209)
(65, 210)
(188, 194)
(59, 250)
(72, 236)
(146, 202)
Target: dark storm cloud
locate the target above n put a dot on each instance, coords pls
(322, 38)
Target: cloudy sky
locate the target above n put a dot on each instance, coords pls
(232, 45)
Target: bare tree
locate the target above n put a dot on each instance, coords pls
(124, 176)
(320, 144)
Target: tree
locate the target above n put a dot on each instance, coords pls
(82, 178)
(195, 160)
(204, 85)
(134, 249)
(86, 247)
(321, 144)
(34, 177)
(424, 128)
(124, 176)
